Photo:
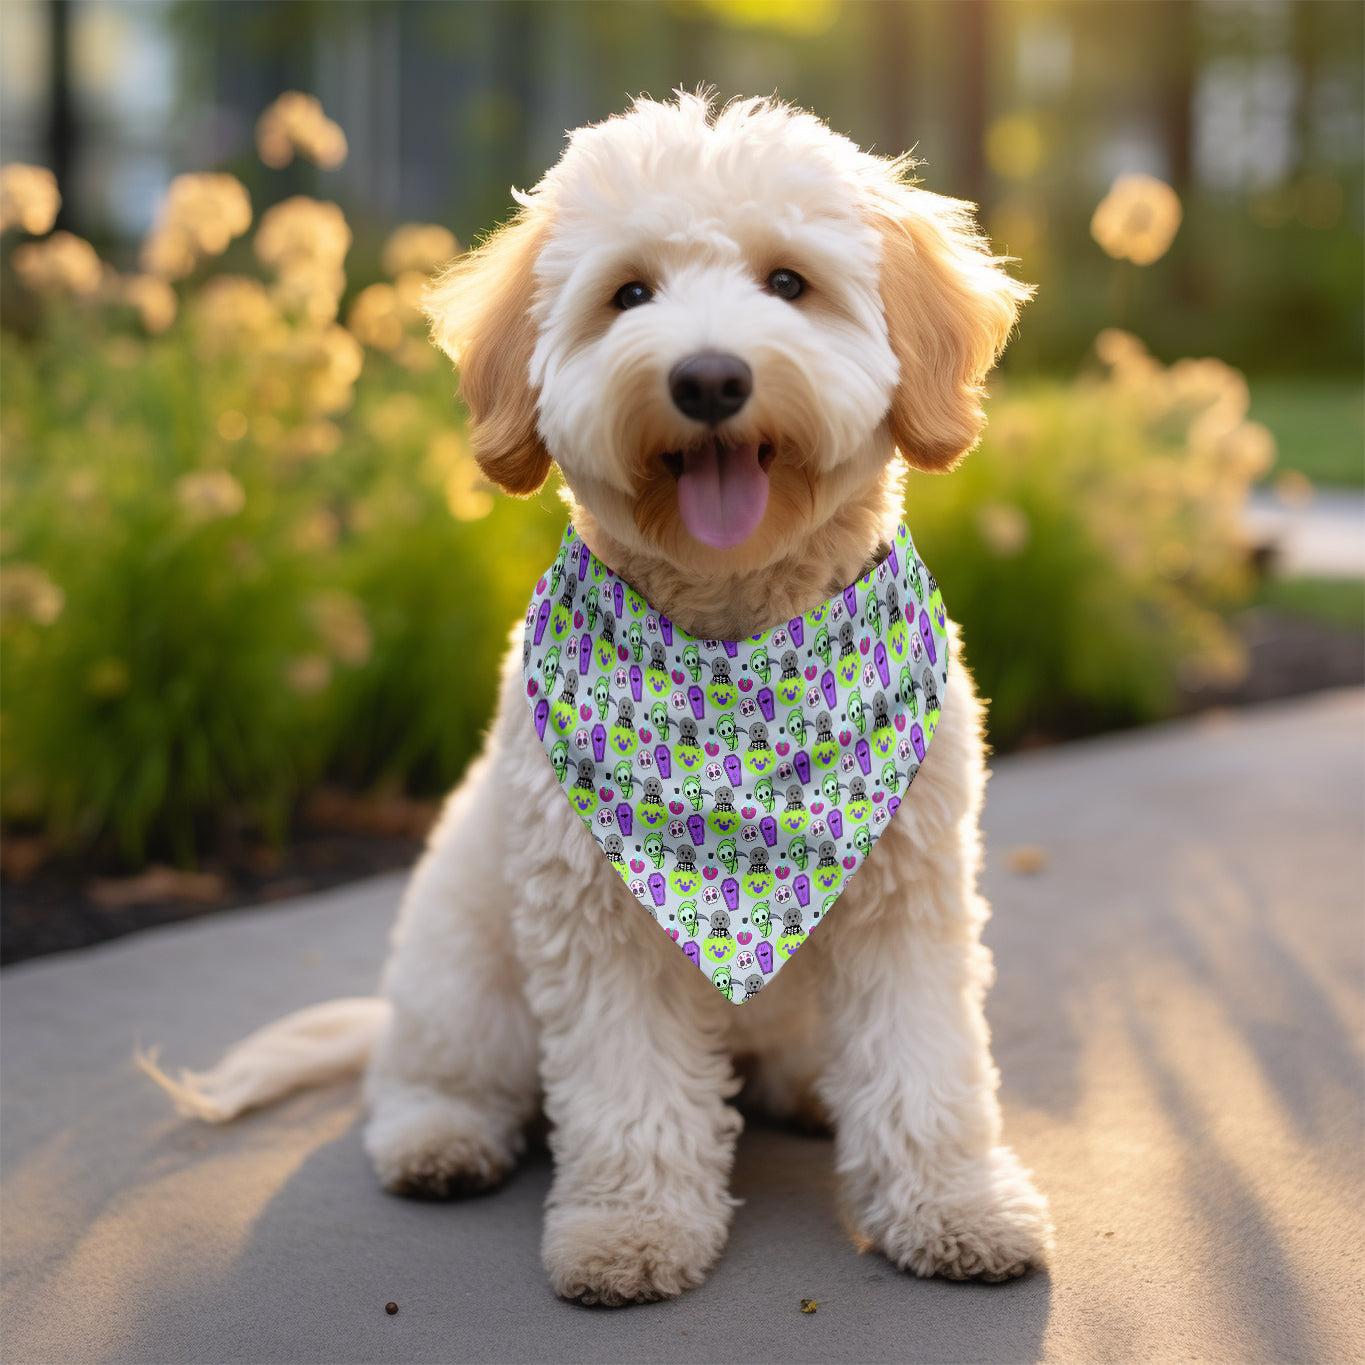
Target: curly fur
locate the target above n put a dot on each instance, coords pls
(523, 974)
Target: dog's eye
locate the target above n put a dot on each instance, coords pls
(632, 295)
(786, 284)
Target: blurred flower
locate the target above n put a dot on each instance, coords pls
(448, 462)
(313, 440)
(1019, 226)
(340, 622)
(200, 215)
(28, 594)
(1294, 488)
(415, 355)
(1115, 346)
(374, 318)
(419, 248)
(296, 123)
(305, 242)
(29, 198)
(316, 530)
(1003, 527)
(1137, 219)
(60, 264)
(467, 494)
(411, 288)
(232, 425)
(154, 300)
(234, 313)
(207, 494)
(1014, 146)
(1196, 385)
(309, 674)
(1251, 449)
(124, 352)
(323, 365)
(390, 420)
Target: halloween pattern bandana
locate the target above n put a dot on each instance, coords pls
(736, 785)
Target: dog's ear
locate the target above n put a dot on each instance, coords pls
(480, 312)
(950, 307)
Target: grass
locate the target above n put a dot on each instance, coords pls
(1319, 425)
(1333, 601)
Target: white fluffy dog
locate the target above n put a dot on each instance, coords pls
(523, 975)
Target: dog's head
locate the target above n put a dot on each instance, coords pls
(722, 325)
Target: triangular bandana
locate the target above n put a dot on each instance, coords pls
(736, 786)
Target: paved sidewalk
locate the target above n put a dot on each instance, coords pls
(1325, 539)
(1178, 1021)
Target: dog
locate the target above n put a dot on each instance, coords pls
(732, 331)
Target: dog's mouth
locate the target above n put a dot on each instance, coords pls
(722, 489)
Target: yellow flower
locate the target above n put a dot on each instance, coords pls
(303, 231)
(207, 494)
(329, 362)
(309, 674)
(339, 620)
(1294, 489)
(305, 242)
(201, 214)
(419, 357)
(316, 530)
(1137, 219)
(154, 300)
(1250, 449)
(390, 420)
(1003, 527)
(1115, 347)
(419, 247)
(27, 593)
(60, 264)
(29, 198)
(374, 317)
(233, 312)
(313, 440)
(296, 123)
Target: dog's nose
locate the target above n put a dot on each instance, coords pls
(710, 387)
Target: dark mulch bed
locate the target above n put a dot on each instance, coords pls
(57, 906)
(54, 907)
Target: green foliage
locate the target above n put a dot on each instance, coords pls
(1086, 546)
(198, 625)
(1319, 426)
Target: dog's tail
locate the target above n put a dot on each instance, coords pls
(314, 1046)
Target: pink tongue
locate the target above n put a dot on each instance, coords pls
(722, 494)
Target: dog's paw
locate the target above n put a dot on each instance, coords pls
(989, 1224)
(618, 1254)
(428, 1146)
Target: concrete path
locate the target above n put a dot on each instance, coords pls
(1325, 539)
(1178, 1021)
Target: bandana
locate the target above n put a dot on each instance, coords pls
(736, 785)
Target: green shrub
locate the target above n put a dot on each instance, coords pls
(1087, 546)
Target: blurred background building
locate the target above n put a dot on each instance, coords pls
(1251, 109)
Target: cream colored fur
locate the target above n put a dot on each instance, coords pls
(523, 974)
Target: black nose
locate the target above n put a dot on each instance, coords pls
(710, 387)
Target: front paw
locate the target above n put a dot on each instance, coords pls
(984, 1223)
(430, 1146)
(630, 1253)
